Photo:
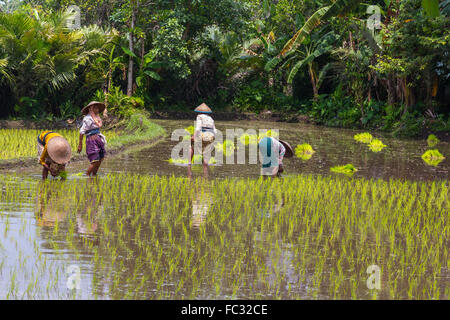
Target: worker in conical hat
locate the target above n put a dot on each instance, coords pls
(205, 132)
(54, 152)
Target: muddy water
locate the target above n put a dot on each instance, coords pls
(400, 159)
(38, 260)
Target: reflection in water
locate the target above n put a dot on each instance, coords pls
(275, 208)
(54, 206)
(87, 217)
(200, 206)
(51, 207)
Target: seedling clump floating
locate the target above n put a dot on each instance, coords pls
(432, 140)
(432, 157)
(304, 151)
(365, 137)
(348, 169)
(376, 145)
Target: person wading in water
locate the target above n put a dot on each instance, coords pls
(205, 132)
(54, 153)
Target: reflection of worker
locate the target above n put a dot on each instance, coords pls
(50, 208)
(279, 203)
(200, 208)
(54, 153)
(87, 219)
(272, 152)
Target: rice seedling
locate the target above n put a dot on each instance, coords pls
(432, 140)
(190, 130)
(365, 137)
(268, 133)
(227, 147)
(347, 169)
(304, 151)
(376, 145)
(63, 174)
(248, 139)
(432, 157)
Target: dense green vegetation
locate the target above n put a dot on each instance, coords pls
(314, 58)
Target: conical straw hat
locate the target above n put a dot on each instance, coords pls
(203, 108)
(59, 150)
(101, 106)
(289, 151)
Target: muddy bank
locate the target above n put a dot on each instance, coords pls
(232, 116)
(282, 117)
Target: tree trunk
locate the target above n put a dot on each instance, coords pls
(313, 82)
(130, 47)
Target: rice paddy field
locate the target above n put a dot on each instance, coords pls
(21, 143)
(149, 232)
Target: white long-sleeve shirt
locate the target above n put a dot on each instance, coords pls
(204, 121)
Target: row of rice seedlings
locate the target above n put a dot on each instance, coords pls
(301, 237)
(20, 143)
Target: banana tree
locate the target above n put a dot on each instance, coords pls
(317, 18)
(148, 70)
(305, 55)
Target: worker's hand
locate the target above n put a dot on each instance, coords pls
(80, 147)
(105, 113)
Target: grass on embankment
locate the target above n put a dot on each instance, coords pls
(139, 129)
(19, 145)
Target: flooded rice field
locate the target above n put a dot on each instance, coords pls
(143, 230)
(400, 159)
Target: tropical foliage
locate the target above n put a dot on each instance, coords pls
(333, 61)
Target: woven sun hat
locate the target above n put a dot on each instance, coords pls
(101, 105)
(203, 108)
(59, 150)
(289, 151)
